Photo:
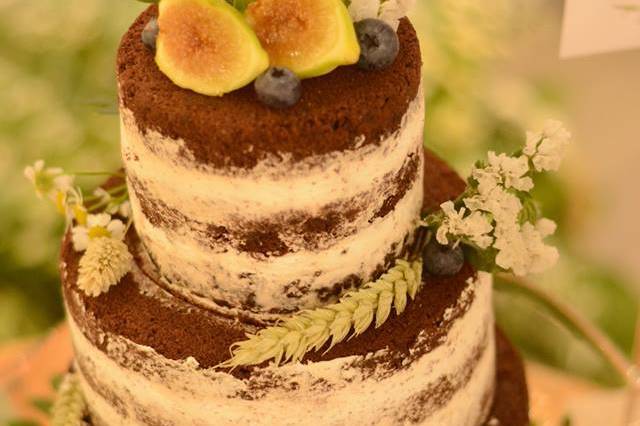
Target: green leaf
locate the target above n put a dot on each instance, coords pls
(546, 337)
(22, 423)
(530, 212)
(567, 421)
(605, 297)
(602, 298)
(105, 106)
(56, 381)
(241, 5)
(42, 405)
(482, 260)
(557, 202)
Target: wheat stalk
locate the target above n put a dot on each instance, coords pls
(69, 407)
(310, 330)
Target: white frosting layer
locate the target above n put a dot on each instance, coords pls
(273, 191)
(449, 385)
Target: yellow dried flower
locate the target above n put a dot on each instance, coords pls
(103, 265)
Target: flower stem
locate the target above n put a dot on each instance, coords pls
(98, 174)
(633, 396)
(112, 191)
(575, 323)
(116, 201)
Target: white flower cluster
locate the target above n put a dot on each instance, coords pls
(491, 215)
(94, 230)
(390, 11)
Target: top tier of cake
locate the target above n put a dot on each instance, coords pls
(246, 207)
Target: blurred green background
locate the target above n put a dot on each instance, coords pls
(57, 97)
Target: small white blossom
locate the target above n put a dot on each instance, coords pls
(511, 170)
(521, 249)
(546, 227)
(102, 195)
(547, 148)
(549, 156)
(475, 226)
(488, 180)
(512, 252)
(103, 265)
(49, 182)
(451, 224)
(97, 226)
(125, 209)
(501, 204)
(541, 256)
(391, 11)
(104, 198)
(478, 228)
(364, 9)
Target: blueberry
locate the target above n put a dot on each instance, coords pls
(278, 88)
(442, 261)
(379, 44)
(150, 33)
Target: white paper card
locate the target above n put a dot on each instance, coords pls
(598, 26)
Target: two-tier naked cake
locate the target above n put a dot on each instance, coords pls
(245, 213)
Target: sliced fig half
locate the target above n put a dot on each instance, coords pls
(206, 46)
(309, 37)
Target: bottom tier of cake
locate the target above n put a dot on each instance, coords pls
(510, 403)
(145, 356)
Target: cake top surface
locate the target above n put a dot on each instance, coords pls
(236, 130)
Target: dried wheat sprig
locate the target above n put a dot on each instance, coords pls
(311, 330)
(69, 407)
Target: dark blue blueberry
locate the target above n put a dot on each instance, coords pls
(379, 44)
(150, 33)
(442, 261)
(278, 88)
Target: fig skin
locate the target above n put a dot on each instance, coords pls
(206, 46)
(309, 37)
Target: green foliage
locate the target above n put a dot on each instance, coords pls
(29, 298)
(42, 405)
(482, 260)
(57, 61)
(240, 4)
(22, 423)
(599, 294)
